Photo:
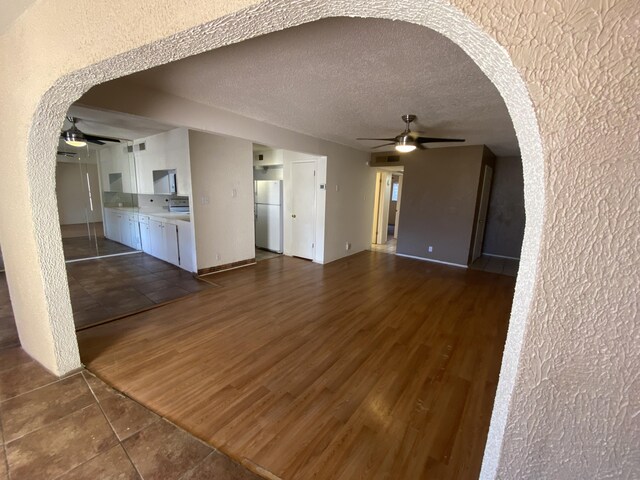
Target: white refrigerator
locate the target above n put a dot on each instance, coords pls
(268, 214)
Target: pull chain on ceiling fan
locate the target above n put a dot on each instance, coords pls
(408, 141)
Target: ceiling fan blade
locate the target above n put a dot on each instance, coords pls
(437, 140)
(381, 139)
(66, 154)
(101, 139)
(420, 146)
(384, 145)
(94, 141)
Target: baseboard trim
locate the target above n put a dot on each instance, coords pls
(226, 266)
(500, 256)
(432, 260)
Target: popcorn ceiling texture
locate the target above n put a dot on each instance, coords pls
(568, 399)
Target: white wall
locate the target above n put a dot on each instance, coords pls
(164, 151)
(222, 206)
(115, 159)
(348, 211)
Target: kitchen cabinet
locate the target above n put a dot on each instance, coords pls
(122, 227)
(145, 234)
(164, 241)
(169, 240)
(132, 236)
(164, 151)
(185, 246)
(113, 225)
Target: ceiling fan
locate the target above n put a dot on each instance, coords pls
(76, 138)
(408, 141)
(65, 154)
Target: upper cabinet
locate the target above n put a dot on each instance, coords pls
(166, 152)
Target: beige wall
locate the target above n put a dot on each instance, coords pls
(568, 396)
(439, 195)
(72, 194)
(222, 183)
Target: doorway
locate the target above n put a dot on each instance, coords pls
(268, 197)
(303, 209)
(386, 209)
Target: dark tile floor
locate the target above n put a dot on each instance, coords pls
(265, 254)
(86, 247)
(108, 287)
(77, 427)
(105, 288)
(8, 332)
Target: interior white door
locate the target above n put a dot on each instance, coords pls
(303, 209)
(482, 214)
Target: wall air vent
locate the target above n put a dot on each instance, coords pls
(142, 146)
(129, 148)
(393, 158)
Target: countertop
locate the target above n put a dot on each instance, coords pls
(158, 215)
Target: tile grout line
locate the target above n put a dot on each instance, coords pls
(58, 379)
(125, 396)
(4, 449)
(185, 473)
(112, 429)
(53, 421)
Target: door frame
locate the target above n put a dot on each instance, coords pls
(288, 248)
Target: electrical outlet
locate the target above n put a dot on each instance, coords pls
(218, 256)
(204, 200)
(234, 193)
(430, 249)
(347, 246)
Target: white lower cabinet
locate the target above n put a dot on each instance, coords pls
(133, 228)
(171, 241)
(122, 227)
(113, 225)
(164, 241)
(185, 246)
(145, 234)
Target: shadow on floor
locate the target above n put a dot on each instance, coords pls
(493, 264)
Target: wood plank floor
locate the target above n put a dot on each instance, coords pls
(374, 366)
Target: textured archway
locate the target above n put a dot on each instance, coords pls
(261, 19)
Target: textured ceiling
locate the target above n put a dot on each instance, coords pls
(343, 78)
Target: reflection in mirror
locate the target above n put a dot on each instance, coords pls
(164, 182)
(115, 182)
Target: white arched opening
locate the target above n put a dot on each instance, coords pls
(267, 17)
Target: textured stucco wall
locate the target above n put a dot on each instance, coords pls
(567, 402)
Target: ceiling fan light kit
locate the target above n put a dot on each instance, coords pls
(408, 141)
(74, 137)
(405, 144)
